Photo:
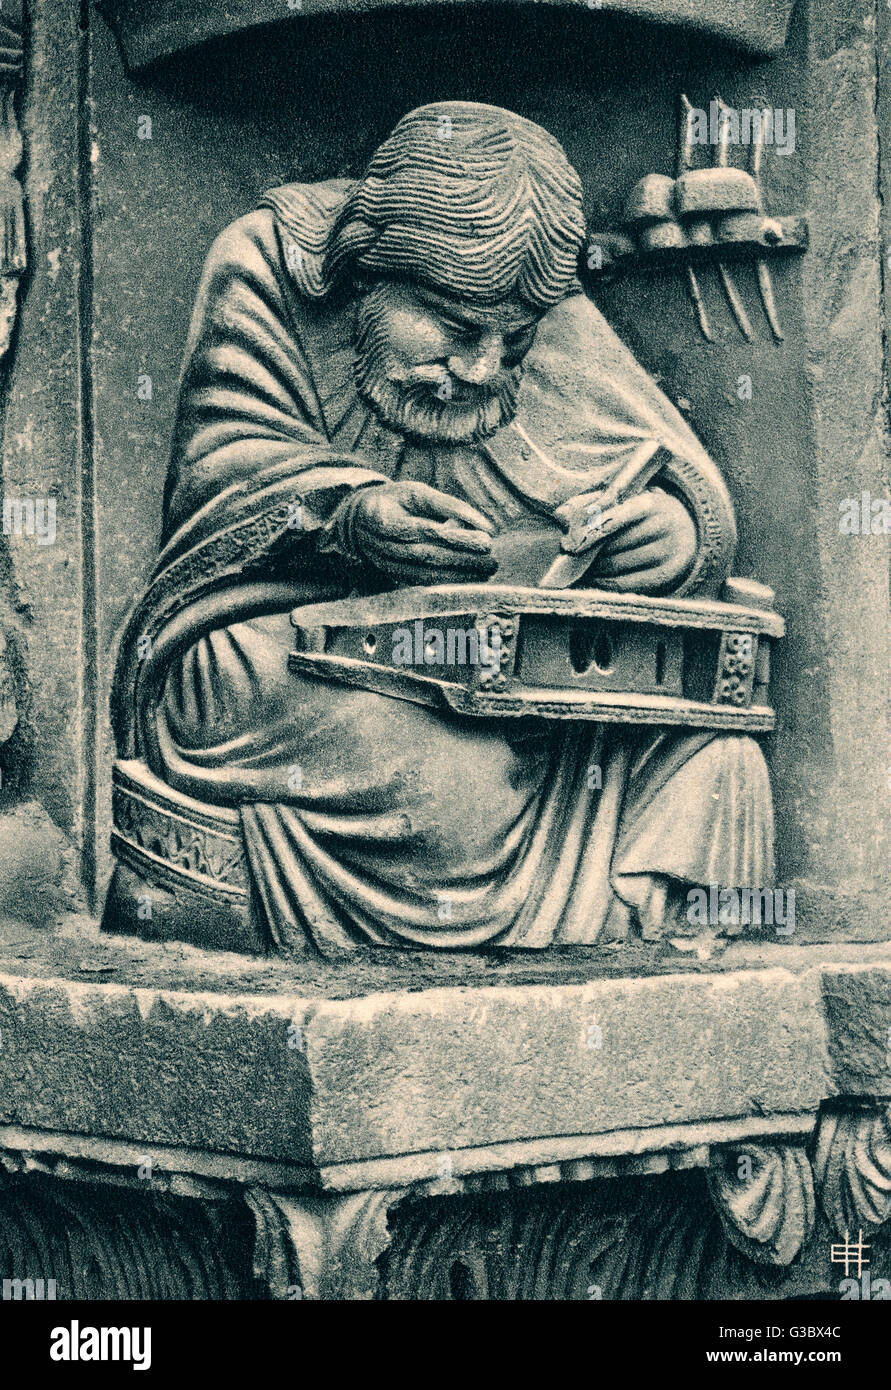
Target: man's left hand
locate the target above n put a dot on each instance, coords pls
(644, 544)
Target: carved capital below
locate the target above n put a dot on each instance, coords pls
(764, 1197)
(97, 1239)
(319, 1245)
(852, 1167)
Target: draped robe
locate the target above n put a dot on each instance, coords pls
(372, 819)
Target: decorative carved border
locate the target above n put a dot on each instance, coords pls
(174, 840)
(747, 1230)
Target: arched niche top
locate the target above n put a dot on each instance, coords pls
(151, 29)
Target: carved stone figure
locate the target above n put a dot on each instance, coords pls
(392, 383)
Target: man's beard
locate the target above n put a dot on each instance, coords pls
(410, 404)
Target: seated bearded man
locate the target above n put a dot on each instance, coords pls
(386, 383)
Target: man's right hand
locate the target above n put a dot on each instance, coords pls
(418, 535)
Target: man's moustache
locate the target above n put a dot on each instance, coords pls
(429, 374)
(428, 371)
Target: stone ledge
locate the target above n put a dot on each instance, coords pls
(575, 1158)
(453, 1069)
(184, 1172)
(377, 1090)
(203, 1071)
(74, 947)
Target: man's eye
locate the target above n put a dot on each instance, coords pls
(458, 330)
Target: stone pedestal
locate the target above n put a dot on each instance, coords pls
(688, 1135)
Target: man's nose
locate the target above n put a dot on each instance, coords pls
(480, 363)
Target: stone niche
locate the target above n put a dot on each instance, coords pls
(410, 1124)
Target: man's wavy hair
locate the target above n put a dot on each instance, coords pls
(468, 199)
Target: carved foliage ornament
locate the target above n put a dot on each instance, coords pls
(575, 1241)
(766, 1196)
(765, 1199)
(852, 1164)
(319, 1246)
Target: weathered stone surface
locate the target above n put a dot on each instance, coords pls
(378, 1088)
(843, 787)
(858, 1012)
(43, 602)
(619, 1153)
(446, 1070)
(340, 1081)
(99, 1243)
(38, 866)
(643, 1239)
(151, 30)
(195, 1070)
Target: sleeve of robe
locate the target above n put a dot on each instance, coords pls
(587, 407)
(253, 474)
(249, 402)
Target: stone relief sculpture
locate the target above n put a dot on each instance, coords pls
(444, 649)
(399, 383)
